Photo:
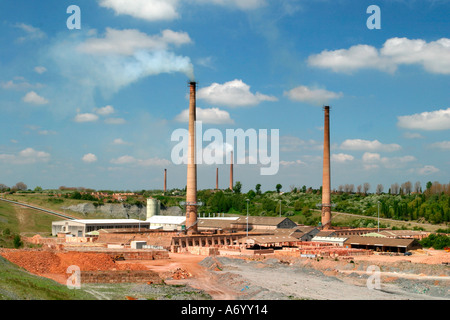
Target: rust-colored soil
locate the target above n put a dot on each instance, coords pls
(48, 262)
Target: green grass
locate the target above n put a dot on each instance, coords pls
(18, 284)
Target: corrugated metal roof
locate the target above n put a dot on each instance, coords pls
(270, 239)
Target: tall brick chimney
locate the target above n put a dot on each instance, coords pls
(191, 185)
(326, 189)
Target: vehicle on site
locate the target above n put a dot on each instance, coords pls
(408, 253)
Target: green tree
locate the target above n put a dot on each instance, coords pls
(278, 187)
(251, 194)
(38, 189)
(237, 187)
(258, 189)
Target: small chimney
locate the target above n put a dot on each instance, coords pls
(231, 172)
(165, 180)
(217, 178)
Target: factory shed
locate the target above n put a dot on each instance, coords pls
(269, 240)
(337, 241)
(263, 223)
(166, 222)
(217, 224)
(300, 233)
(81, 227)
(382, 244)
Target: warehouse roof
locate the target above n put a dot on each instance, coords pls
(376, 241)
(157, 219)
(103, 221)
(269, 239)
(269, 221)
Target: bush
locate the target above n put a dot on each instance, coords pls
(17, 242)
(437, 241)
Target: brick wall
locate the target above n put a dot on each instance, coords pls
(132, 276)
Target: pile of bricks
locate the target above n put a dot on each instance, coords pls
(129, 276)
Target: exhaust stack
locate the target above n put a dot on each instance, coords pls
(191, 185)
(231, 172)
(326, 191)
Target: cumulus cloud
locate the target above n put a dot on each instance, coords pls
(314, 96)
(443, 145)
(150, 10)
(141, 162)
(234, 93)
(433, 120)
(366, 145)
(160, 10)
(89, 158)
(86, 117)
(208, 116)
(374, 160)
(427, 170)
(106, 110)
(120, 141)
(341, 157)
(26, 156)
(33, 98)
(433, 56)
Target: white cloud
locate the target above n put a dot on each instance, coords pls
(292, 144)
(434, 120)
(341, 157)
(89, 158)
(33, 98)
(433, 56)
(141, 162)
(150, 10)
(32, 33)
(120, 141)
(19, 83)
(26, 156)
(312, 95)
(127, 42)
(208, 116)
(117, 59)
(238, 4)
(374, 160)
(366, 145)
(234, 93)
(412, 135)
(159, 10)
(443, 145)
(40, 69)
(115, 121)
(426, 170)
(106, 110)
(86, 117)
(291, 163)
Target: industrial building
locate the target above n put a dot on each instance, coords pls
(382, 244)
(81, 228)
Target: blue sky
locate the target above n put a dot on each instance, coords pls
(96, 106)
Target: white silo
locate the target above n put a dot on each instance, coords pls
(153, 207)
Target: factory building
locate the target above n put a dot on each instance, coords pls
(81, 228)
